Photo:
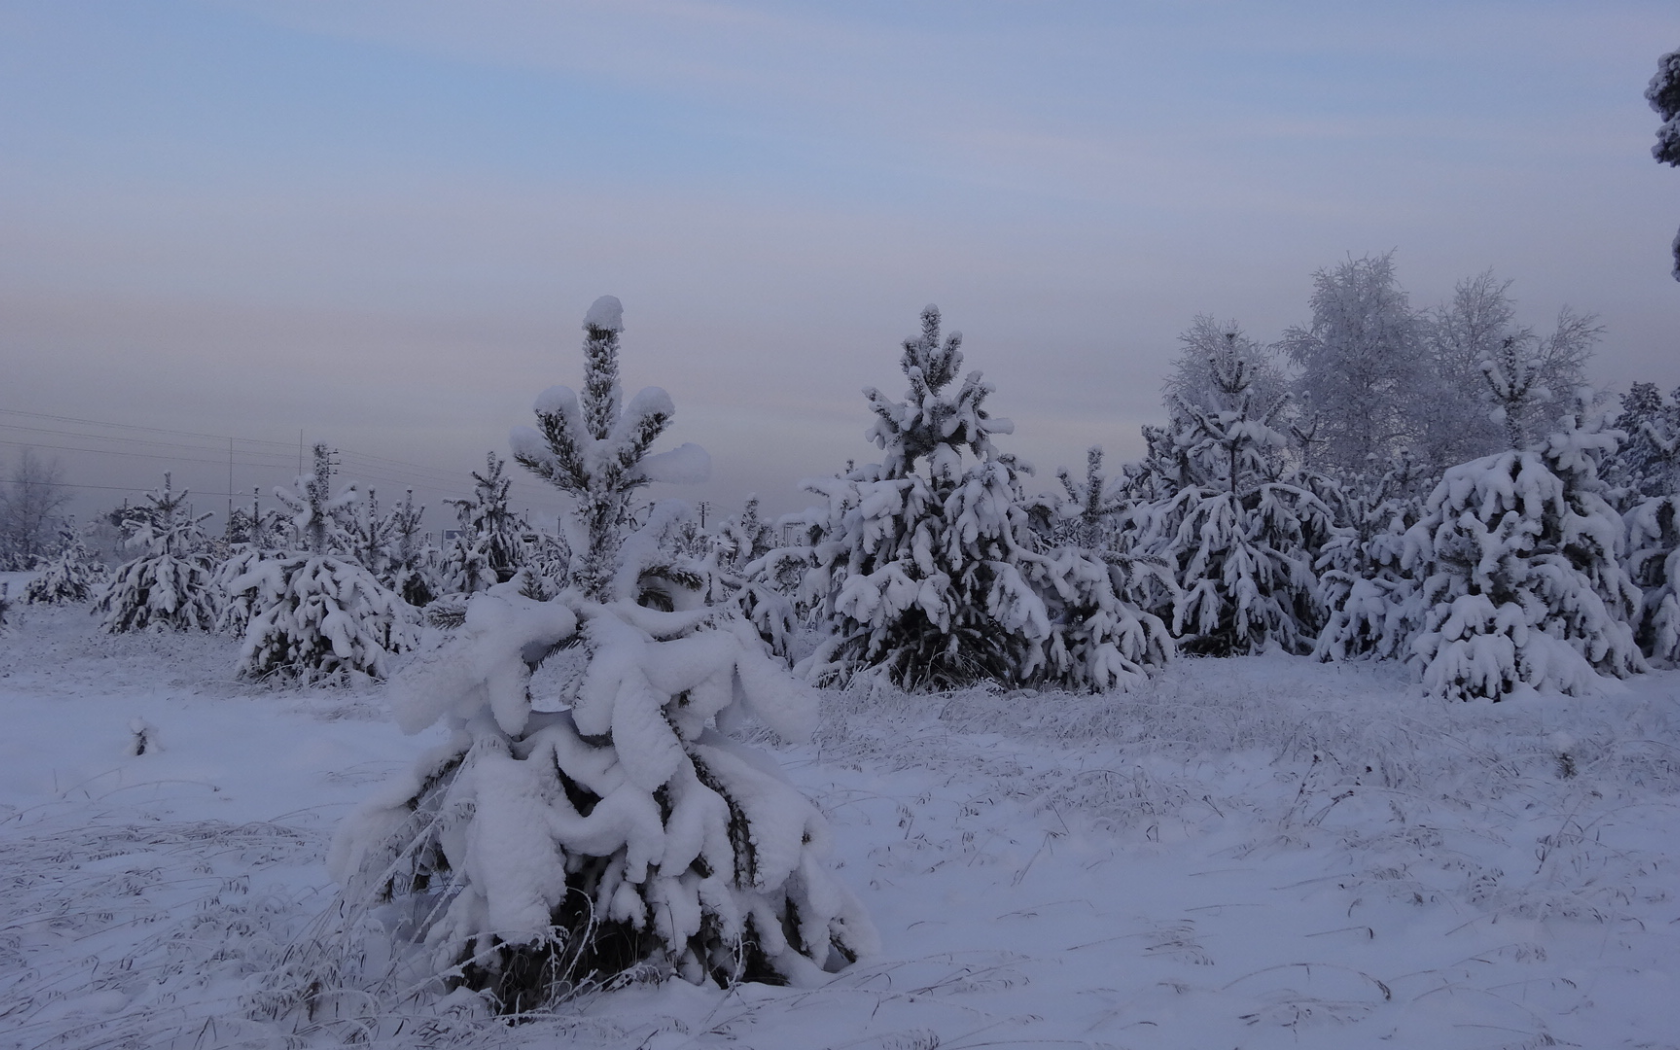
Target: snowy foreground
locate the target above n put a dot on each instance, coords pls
(1255, 852)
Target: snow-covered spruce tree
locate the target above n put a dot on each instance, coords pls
(369, 535)
(918, 572)
(730, 562)
(1241, 539)
(409, 569)
(1365, 591)
(311, 616)
(1653, 562)
(926, 568)
(170, 583)
(1521, 584)
(70, 575)
(1102, 596)
(540, 853)
(491, 547)
(1649, 461)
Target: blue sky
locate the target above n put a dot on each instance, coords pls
(380, 223)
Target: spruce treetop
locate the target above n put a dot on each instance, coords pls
(932, 422)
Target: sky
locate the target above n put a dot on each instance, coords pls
(228, 228)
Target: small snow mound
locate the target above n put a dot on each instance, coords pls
(605, 313)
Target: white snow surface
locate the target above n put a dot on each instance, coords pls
(1256, 852)
(605, 313)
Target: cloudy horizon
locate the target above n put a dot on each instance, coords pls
(378, 224)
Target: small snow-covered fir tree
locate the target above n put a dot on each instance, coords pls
(1365, 591)
(926, 567)
(491, 546)
(1099, 597)
(70, 575)
(1241, 538)
(369, 535)
(1521, 584)
(1653, 561)
(918, 571)
(1649, 462)
(409, 569)
(538, 852)
(171, 582)
(311, 616)
(729, 562)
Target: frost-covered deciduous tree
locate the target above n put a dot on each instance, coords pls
(309, 615)
(30, 503)
(1663, 93)
(1452, 419)
(1241, 538)
(539, 852)
(1521, 583)
(1362, 364)
(170, 583)
(70, 575)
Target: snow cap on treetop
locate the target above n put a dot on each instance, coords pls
(605, 313)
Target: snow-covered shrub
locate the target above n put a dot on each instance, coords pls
(70, 575)
(1653, 561)
(171, 583)
(311, 616)
(536, 853)
(1521, 584)
(1241, 539)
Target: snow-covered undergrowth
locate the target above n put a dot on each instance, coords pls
(1260, 852)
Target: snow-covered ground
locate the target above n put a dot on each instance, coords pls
(1261, 852)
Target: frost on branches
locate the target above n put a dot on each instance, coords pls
(310, 616)
(1521, 587)
(170, 583)
(539, 853)
(71, 575)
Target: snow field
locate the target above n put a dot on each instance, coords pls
(1256, 852)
